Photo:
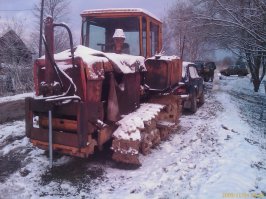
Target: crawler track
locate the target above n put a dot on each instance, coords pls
(143, 129)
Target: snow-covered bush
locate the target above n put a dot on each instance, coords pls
(15, 79)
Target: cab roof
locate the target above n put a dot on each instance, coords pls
(116, 12)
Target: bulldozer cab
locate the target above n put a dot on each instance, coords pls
(142, 30)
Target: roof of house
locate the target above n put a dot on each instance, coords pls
(11, 36)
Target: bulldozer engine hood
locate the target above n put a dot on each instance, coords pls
(121, 63)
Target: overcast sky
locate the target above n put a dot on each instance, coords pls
(157, 7)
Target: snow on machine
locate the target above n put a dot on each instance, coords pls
(88, 95)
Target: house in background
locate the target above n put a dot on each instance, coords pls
(15, 65)
(13, 50)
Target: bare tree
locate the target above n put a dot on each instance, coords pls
(58, 9)
(15, 24)
(189, 39)
(239, 26)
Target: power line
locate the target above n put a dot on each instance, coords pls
(16, 10)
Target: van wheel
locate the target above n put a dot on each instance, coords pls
(202, 99)
(193, 107)
(206, 79)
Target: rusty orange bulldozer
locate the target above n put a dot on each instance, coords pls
(88, 95)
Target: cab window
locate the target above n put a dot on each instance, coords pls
(98, 33)
(154, 37)
(144, 36)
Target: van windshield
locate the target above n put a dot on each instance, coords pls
(97, 33)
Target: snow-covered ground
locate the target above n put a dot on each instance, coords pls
(15, 97)
(219, 150)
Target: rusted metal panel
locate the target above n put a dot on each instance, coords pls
(40, 106)
(69, 109)
(82, 119)
(158, 73)
(113, 112)
(79, 77)
(59, 124)
(68, 139)
(163, 73)
(95, 71)
(49, 53)
(128, 93)
(104, 135)
(76, 73)
(94, 90)
(56, 81)
(176, 73)
(38, 75)
(79, 152)
(108, 67)
(94, 111)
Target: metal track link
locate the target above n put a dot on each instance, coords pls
(158, 128)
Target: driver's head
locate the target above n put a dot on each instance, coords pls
(119, 38)
(119, 33)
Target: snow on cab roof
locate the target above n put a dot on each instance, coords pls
(120, 10)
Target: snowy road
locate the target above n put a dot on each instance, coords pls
(219, 150)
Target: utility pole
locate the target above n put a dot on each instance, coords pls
(41, 25)
(183, 46)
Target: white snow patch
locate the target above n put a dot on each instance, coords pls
(123, 63)
(130, 125)
(202, 160)
(164, 57)
(233, 172)
(117, 10)
(126, 63)
(16, 97)
(16, 128)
